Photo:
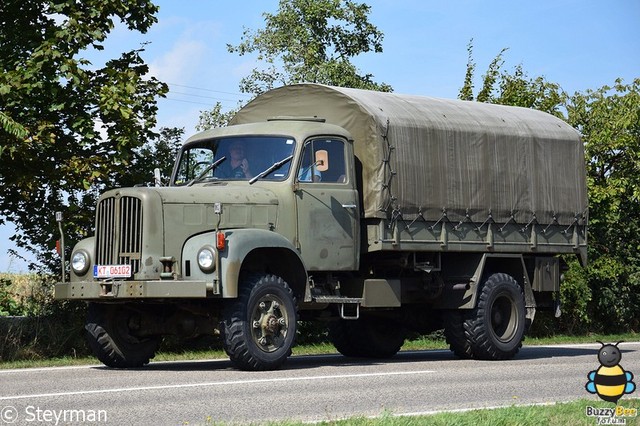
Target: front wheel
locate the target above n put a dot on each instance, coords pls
(110, 336)
(259, 327)
(495, 328)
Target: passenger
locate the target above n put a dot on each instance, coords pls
(310, 174)
(309, 171)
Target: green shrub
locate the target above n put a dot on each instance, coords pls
(9, 304)
(615, 285)
(47, 328)
(575, 297)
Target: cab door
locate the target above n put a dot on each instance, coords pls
(327, 206)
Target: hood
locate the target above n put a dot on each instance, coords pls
(221, 192)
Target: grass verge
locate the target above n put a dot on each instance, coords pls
(556, 414)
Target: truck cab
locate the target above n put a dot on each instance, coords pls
(194, 242)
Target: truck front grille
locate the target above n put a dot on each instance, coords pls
(119, 232)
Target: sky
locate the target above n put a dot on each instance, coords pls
(579, 44)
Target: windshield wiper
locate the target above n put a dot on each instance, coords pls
(210, 167)
(273, 167)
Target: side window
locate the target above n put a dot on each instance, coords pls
(323, 161)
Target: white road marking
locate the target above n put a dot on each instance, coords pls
(224, 383)
(49, 369)
(101, 366)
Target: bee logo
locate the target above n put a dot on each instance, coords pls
(610, 381)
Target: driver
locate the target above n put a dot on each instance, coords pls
(236, 166)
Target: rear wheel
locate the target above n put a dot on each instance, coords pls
(454, 333)
(495, 328)
(110, 336)
(367, 337)
(259, 327)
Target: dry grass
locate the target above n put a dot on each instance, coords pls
(22, 285)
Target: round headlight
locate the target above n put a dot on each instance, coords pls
(207, 259)
(80, 262)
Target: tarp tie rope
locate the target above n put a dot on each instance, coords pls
(489, 220)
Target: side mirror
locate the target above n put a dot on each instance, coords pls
(322, 160)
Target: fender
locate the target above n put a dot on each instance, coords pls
(240, 243)
(484, 265)
(512, 264)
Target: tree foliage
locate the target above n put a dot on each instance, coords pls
(500, 86)
(311, 41)
(466, 92)
(305, 41)
(157, 153)
(67, 126)
(609, 120)
(214, 117)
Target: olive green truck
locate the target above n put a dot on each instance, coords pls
(377, 213)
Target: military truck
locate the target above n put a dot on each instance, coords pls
(377, 213)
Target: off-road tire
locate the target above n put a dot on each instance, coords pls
(245, 323)
(367, 337)
(110, 338)
(454, 333)
(495, 329)
(340, 335)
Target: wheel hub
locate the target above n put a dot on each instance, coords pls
(269, 324)
(503, 319)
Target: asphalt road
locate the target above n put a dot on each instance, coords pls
(309, 388)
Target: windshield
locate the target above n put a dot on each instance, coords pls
(245, 158)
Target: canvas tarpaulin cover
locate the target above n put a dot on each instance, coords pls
(428, 157)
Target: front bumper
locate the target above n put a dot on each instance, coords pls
(104, 290)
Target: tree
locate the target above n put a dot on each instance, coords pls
(311, 41)
(158, 153)
(609, 121)
(466, 92)
(305, 41)
(66, 126)
(214, 117)
(515, 88)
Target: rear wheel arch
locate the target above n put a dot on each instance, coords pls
(513, 266)
(516, 268)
